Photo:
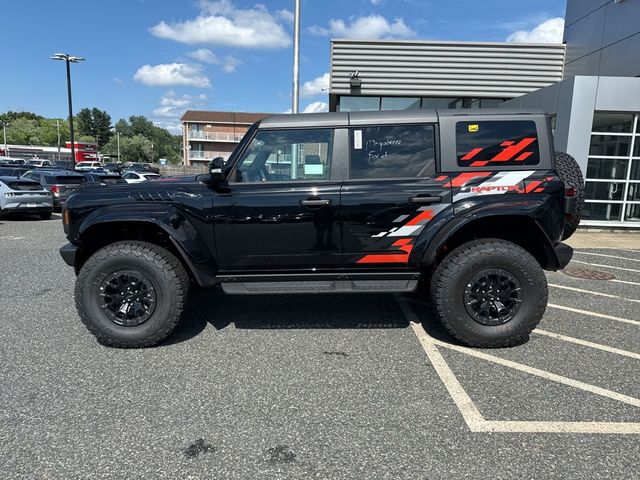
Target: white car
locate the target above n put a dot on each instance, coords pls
(38, 162)
(139, 177)
(22, 195)
(87, 166)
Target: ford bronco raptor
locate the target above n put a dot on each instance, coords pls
(464, 207)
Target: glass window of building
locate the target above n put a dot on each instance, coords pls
(400, 103)
(358, 104)
(612, 183)
(441, 102)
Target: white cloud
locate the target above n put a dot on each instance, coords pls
(316, 107)
(204, 55)
(229, 64)
(221, 23)
(371, 27)
(549, 31)
(314, 87)
(174, 127)
(172, 107)
(166, 74)
(285, 15)
(377, 2)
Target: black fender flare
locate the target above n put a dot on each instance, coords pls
(432, 240)
(190, 245)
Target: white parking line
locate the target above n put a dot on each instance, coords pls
(472, 416)
(608, 256)
(591, 292)
(606, 266)
(585, 343)
(594, 314)
(624, 281)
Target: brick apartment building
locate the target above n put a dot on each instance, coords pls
(206, 135)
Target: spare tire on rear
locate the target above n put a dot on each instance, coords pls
(569, 172)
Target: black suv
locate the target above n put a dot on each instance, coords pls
(464, 207)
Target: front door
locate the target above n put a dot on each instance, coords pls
(393, 192)
(281, 207)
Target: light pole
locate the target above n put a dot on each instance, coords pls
(4, 130)
(296, 57)
(69, 59)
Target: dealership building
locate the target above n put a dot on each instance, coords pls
(590, 84)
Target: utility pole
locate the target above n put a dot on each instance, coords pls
(4, 130)
(296, 57)
(118, 138)
(68, 59)
(58, 125)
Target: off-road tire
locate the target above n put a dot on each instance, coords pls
(569, 172)
(159, 266)
(45, 216)
(456, 270)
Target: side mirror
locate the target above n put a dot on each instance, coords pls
(215, 170)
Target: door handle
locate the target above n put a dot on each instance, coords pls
(424, 199)
(315, 202)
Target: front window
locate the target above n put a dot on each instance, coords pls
(286, 155)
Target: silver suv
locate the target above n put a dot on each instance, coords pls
(21, 195)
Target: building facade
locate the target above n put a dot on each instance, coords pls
(397, 75)
(596, 107)
(207, 135)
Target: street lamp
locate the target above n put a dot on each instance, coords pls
(296, 57)
(4, 130)
(69, 59)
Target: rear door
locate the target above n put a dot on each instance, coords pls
(392, 193)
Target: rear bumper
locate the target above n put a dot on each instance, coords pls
(563, 253)
(44, 208)
(68, 253)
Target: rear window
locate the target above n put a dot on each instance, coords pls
(24, 186)
(64, 180)
(398, 151)
(497, 143)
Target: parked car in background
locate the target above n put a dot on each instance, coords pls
(61, 183)
(64, 165)
(143, 167)
(139, 177)
(38, 162)
(103, 178)
(87, 166)
(12, 171)
(113, 167)
(11, 161)
(24, 196)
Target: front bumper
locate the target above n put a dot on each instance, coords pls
(68, 253)
(564, 253)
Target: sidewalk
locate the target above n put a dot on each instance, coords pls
(582, 239)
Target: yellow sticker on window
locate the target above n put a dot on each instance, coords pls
(473, 128)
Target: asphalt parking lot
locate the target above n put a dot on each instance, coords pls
(355, 387)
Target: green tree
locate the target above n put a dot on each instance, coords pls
(23, 131)
(94, 123)
(132, 149)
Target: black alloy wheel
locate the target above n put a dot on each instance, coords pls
(127, 298)
(493, 297)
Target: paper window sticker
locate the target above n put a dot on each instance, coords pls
(357, 139)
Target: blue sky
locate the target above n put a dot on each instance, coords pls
(159, 57)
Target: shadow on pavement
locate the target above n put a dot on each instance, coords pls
(354, 311)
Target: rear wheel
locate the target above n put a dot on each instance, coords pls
(570, 173)
(131, 294)
(489, 293)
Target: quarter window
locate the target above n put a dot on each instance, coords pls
(401, 151)
(287, 155)
(487, 144)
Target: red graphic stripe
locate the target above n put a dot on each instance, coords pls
(441, 178)
(479, 163)
(404, 245)
(524, 156)
(472, 154)
(466, 177)
(531, 186)
(426, 215)
(511, 151)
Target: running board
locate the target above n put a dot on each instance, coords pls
(280, 284)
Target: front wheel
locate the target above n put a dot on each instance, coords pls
(131, 294)
(489, 293)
